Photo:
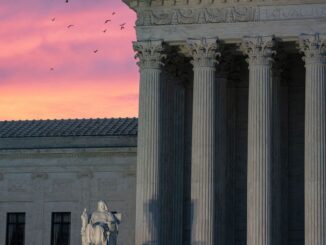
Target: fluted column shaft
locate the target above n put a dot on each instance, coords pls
(259, 203)
(314, 48)
(203, 141)
(149, 143)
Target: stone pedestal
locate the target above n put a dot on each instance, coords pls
(259, 183)
(148, 213)
(203, 141)
(314, 49)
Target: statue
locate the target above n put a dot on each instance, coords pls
(100, 228)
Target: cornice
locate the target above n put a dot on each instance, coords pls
(136, 4)
(148, 16)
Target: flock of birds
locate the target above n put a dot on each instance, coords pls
(121, 26)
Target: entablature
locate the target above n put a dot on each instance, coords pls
(228, 14)
(137, 4)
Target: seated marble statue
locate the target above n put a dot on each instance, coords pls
(101, 227)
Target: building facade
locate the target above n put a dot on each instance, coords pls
(231, 145)
(232, 132)
(51, 170)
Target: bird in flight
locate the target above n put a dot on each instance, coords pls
(51, 68)
(70, 26)
(122, 26)
(95, 51)
(67, 1)
(105, 30)
(107, 21)
(53, 19)
(113, 13)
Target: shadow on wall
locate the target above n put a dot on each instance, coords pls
(153, 219)
(192, 208)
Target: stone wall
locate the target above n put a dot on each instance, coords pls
(41, 181)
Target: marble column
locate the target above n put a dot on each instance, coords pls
(314, 49)
(148, 213)
(204, 54)
(259, 183)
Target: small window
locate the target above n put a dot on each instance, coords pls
(60, 234)
(15, 229)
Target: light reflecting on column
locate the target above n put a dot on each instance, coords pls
(149, 143)
(259, 183)
(204, 54)
(314, 49)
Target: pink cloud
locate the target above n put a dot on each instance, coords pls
(34, 45)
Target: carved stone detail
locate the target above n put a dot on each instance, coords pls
(195, 16)
(313, 47)
(260, 147)
(203, 52)
(18, 186)
(39, 175)
(258, 49)
(149, 54)
(227, 14)
(86, 173)
(291, 12)
(100, 227)
(169, 3)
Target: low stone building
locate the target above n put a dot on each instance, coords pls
(53, 169)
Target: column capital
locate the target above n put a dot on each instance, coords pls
(313, 47)
(149, 53)
(203, 51)
(259, 49)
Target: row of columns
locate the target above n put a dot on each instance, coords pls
(259, 51)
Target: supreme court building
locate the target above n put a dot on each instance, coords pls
(230, 142)
(232, 131)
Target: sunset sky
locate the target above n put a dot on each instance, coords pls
(50, 71)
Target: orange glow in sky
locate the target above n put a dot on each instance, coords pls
(48, 70)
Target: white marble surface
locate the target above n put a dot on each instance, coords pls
(259, 183)
(204, 54)
(314, 49)
(149, 152)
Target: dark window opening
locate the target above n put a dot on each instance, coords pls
(15, 229)
(60, 233)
